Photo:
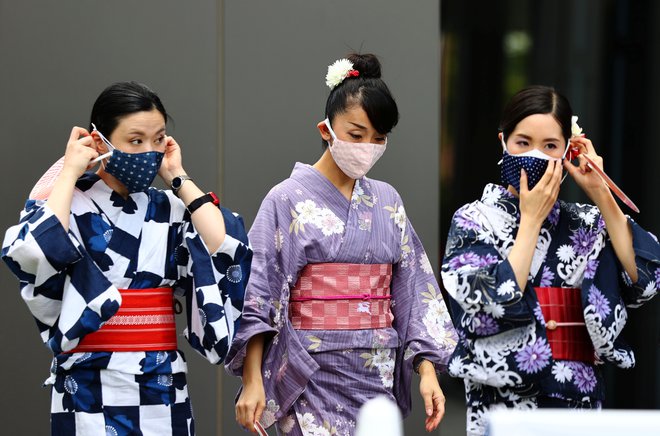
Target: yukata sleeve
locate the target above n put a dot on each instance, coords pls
(421, 318)
(63, 288)
(485, 296)
(647, 259)
(214, 286)
(263, 311)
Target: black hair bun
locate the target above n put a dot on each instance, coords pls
(367, 64)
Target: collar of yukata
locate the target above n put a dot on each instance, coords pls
(498, 196)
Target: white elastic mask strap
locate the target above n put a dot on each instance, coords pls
(103, 138)
(332, 132)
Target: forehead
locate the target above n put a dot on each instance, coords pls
(539, 126)
(354, 115)
(145, 121)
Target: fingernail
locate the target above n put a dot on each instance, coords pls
(429, 412)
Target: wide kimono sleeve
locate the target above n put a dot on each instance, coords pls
(421, 318)
(608, 290)
(278, 258)
(213, 286)
(65, 291)
(485, 296)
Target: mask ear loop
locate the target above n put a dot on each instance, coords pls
(111, 147)
(332, 132)
(504, 150)
(568, 145)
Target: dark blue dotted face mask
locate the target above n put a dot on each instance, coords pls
(534, 162)
(136, 171)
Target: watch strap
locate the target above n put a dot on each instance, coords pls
(209, 197)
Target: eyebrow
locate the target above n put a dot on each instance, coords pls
(529, 137)
(140, 132)
(359, 126)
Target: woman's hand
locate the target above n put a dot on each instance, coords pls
(536, 204)
(250, 405)
(434, 399)
(172, 165)
(590, 182)
(80, 151)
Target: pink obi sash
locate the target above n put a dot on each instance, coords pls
(144, 322)
(564, 323)
(342, 296)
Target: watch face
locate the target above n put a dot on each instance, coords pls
(176, 183)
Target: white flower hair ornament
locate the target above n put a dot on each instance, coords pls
(575, 129)
(339, 71)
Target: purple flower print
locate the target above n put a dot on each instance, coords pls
(598, 300)
(534, 357)
(547, 277)
(466, 223)
(601, 224)
(583, 241)
(485, 325)
(538, 313)
(472, 259)
(657, 278)
(590, 270)
(553, 218)
(583, 377)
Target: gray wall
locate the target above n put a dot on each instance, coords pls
(244, 81)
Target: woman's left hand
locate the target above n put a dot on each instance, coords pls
(590, 182)
(172, 165)
(434, 399)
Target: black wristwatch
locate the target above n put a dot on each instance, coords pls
(209, 197)
(177, 183)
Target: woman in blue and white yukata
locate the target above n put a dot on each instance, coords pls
(539, 287)
(99, 260)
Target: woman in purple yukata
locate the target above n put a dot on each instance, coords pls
(539, 287)
(342, 303)
(99, 258)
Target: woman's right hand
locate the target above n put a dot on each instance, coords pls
(79, 153)
(250, 405)
(536, 204)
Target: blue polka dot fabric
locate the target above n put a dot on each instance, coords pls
(136, 171)
(512, 164)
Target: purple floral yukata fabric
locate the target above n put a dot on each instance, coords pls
(503, 354)
(316, 380)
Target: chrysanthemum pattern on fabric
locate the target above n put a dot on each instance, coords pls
(503, 352)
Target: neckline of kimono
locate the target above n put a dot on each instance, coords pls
(334, 190)
(509, 201)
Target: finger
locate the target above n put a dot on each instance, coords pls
(547, 175)
(258, 412)
(428, 403)
(77, 132)
(573, 170)
(523, 181)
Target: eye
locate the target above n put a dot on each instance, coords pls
(354, 136)
(551, 146)
(136, 141)
(522, 143)
(160, 139)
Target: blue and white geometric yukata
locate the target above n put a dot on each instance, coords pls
(503, 353)
(70, 282)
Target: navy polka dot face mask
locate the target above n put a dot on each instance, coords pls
(534, 162)
(136, 171)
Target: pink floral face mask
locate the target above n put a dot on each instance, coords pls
(355, 159)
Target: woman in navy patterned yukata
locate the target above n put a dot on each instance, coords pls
(539, 287)
(99, 258)
(342, 302)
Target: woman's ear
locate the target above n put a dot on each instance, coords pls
(100, 146)
(324, 131)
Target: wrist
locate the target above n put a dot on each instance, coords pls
(169, 175)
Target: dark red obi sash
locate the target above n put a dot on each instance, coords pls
(342, 296)
(144, 322)
(564, 319)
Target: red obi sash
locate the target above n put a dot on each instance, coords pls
(567, 334)
(144, 322)
(342, 296)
